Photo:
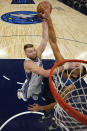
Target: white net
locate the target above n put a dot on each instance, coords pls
(72, 86)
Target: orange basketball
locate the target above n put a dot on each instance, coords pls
(45, 5)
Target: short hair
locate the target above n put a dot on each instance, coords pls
(28, 46)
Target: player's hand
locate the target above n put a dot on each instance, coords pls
(35, 107)
(44, 9)
(44, 14)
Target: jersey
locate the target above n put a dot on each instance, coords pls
(33, 82)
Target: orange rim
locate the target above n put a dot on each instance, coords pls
(69, 109)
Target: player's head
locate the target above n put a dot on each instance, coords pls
(79, 72)
(30, 51)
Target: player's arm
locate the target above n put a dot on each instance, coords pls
(53, 41)
(67, 91)
(44, 40)
(36, 107)
(31, 66)
(44, 14)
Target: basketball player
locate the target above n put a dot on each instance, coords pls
(44, 13)
(34, 69)
(52, 39)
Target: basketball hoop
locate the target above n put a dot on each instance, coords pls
(69, 88)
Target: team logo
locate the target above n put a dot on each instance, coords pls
(21, 17)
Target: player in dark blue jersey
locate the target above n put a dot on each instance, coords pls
(45, 14)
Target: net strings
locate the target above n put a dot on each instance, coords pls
(76, 98)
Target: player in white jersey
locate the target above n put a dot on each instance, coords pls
(33, 68)
(32, 84)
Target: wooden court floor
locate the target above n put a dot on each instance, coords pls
(70, 27)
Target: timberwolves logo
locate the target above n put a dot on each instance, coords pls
(21, 17)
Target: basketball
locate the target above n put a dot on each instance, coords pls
(42, 6)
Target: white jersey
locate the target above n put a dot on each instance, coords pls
(33, 81)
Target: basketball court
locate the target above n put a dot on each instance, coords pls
(19, 25)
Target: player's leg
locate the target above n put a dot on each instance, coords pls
(22, 93)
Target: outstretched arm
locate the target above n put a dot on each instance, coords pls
(43, 43)
(53, 41)
(44, 14)
(36, 107)
(30, 66)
